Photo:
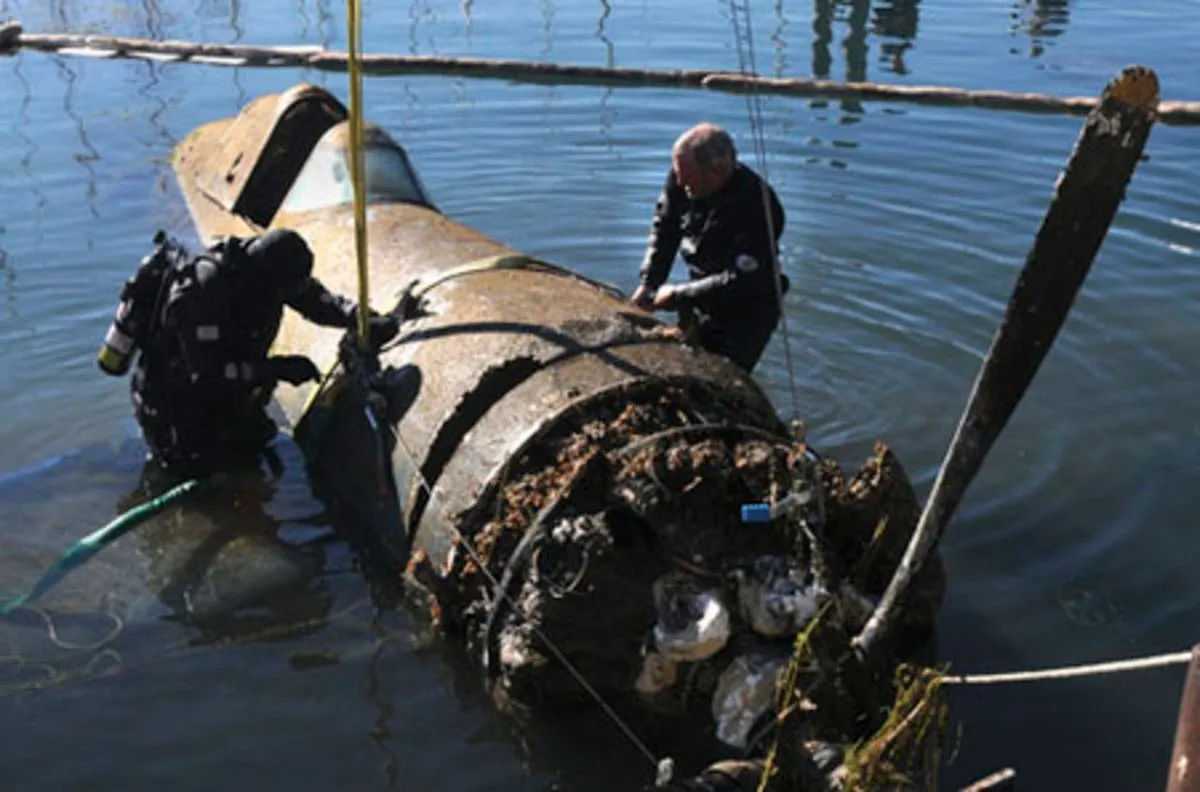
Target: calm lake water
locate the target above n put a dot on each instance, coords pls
(906, 228)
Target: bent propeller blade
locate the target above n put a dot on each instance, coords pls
(1085, 202)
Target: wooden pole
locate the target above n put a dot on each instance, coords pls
(1184, 770)
(13, 38)
(1082, 208)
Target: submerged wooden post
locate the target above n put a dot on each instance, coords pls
(1184, 773)
(1084, 204)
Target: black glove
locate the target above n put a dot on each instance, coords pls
(381, 329)
(295, 369)
(408, 305)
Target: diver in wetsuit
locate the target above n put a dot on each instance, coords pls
(204, 325)
(713, 210)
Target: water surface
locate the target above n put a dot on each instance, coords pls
(906, 228)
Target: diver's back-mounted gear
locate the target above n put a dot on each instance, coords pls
(139, 307)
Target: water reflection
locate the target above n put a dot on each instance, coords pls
(854, 49)
(896, 20)
(381, 731)
(602, 34)
(550, 91)
(325, 35)
(606, 112)
(414, 17)
(779, 40)
(10, 279)
(854, 46)
(235, 7)
(158, 105)
(59, 9)
(154, 19)
(468, 22)
(305, 22)
(420, 11)
(893, 21)
(547, 26)
(31, 150)
(89, 154)
(822, 27)
(217, 561)
(1041, 20)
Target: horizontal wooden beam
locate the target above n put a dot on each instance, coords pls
(13, 38)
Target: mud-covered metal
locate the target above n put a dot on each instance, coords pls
(560, 463)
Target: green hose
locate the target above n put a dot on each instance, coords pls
(78, 554)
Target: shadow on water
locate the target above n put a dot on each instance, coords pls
(242, 562)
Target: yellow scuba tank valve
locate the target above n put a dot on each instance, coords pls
(117, 353)
(140, 301)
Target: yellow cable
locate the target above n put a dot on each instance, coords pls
(357, 166)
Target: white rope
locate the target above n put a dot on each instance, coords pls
(663, 767)
(754, 109)
(1069, 672)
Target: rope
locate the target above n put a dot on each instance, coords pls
(663, 767)
(1070, 672)
(754, 108)
(79, 45)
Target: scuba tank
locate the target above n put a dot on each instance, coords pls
(138, 309)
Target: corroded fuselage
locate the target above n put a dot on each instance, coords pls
(556, 471)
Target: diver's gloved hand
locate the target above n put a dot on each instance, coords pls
(381, 329)
(295, 369)
(408, 305)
